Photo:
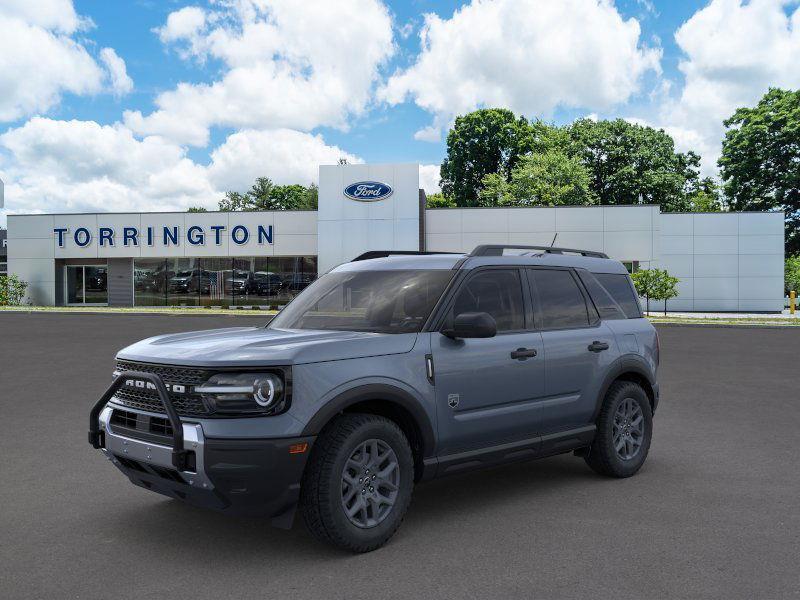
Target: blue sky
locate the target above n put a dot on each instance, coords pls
(127, 26)
(148, 104)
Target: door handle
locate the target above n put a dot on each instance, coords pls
(596, 346)
(523, 353)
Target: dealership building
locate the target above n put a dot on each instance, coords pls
(724, 261)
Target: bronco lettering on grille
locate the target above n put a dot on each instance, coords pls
(146, 385)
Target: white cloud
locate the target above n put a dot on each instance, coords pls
(41, 58)
(531, 56)
(74, 166)
(184, 24)
(286, 63)
(58, 15)
(121, 83)
(283, 155)
(734, 51)
(429, 178)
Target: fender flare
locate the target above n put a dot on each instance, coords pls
(379, 392)
(623, 365)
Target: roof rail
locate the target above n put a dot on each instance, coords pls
(497, 250)
(370, 254)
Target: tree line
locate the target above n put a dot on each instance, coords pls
(496, 158)
(265, 195)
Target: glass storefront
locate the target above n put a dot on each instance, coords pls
(244, 281)
(87, 284)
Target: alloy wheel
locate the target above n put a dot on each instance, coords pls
(628, 429)
(370, 483)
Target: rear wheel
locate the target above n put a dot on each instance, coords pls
(358, 483)
(624, 431)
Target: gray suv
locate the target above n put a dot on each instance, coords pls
(395, 368)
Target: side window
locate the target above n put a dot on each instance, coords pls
(560, 299)
(606, 305)
(620, 288)
(497, 292)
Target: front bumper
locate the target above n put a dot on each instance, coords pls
(256, 477)
(251, 477)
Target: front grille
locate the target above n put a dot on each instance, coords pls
(141, 427)
(187, 405)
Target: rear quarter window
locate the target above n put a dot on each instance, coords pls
(620, 288)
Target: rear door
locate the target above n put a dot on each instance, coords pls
(486, 389)
(578, 348)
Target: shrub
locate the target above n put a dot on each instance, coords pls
(12, 290)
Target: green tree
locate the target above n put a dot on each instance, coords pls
(627, 161)
(234, 201)
(288, 197)
(646, 283)
(197, 209)
(791, 278)
(666, 287)
(260, 195)
(495, 190)
(485, 141)
(439, 200)
(761, 157)
(706, 196)
(265, 195)
(548, 179)
(311, 198)
(12, 290)
(656, 284)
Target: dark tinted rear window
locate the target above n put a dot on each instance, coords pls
(560, 299)
(606, 305)
(621, 290)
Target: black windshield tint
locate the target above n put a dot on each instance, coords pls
(377, 301)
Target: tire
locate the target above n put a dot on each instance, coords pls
(605, 456)
(326, 494)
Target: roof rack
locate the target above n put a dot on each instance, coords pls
(497, 250)
(384, 253)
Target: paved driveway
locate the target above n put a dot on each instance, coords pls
(714, 513)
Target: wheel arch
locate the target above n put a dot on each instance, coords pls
(387, 401)
(633, 369)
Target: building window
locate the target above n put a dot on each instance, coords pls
(243, 281)
(631, 265)
(3, 268)
(86, 284)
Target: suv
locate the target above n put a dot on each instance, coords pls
(389, 370)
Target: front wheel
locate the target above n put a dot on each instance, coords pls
(358, 483)
(624, 431)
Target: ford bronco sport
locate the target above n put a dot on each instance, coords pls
(389, 370)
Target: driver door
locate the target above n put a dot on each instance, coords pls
(484, 396)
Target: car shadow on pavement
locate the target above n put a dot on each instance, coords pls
(191, 530)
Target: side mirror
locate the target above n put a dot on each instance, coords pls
(472, 325)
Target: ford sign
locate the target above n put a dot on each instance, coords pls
(368, 191)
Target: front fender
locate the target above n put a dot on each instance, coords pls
(391, 391)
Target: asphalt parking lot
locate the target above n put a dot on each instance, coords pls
(715, 512)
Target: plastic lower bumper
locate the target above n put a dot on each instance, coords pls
(253, 477)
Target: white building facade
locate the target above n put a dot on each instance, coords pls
(724, 261)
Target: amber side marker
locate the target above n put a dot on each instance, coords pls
(298, 448)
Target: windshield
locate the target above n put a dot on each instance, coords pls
(376, 301)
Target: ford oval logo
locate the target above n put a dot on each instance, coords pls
(368, 191)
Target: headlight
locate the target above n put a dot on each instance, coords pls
(243, 393)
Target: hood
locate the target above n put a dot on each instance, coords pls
(257, 346)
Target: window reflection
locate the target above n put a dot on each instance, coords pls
(244, 281)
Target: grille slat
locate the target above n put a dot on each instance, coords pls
(186, 405)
